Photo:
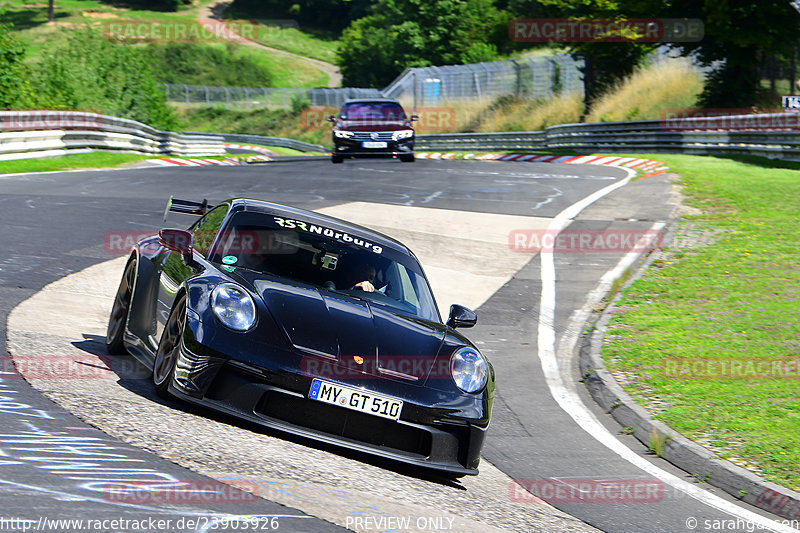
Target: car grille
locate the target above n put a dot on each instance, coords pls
(345, 423)
(367, 136)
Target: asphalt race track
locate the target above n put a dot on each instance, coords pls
(57, 466)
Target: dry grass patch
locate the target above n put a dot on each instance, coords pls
(669, 84)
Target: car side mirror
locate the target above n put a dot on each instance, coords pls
(331, 118)
(176, 240)
(414, 118)
(461, 317)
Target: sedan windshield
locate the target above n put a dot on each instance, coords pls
(330, 260)
(373, 111)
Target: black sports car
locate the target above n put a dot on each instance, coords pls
(306, 324)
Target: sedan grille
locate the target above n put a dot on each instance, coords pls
(368, 136)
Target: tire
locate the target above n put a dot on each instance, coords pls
(336, 159)
(115, 332)
(168, 348)
(407, 158)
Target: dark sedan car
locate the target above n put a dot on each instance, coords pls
(375, 127)
(306, 324)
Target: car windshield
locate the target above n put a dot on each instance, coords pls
(328, 259)
(373, 111)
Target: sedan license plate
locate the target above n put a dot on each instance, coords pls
(374, 144)
(355, 399)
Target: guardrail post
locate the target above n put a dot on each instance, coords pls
(186, 92)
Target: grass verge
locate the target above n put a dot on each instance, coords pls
(294, 40)
(696, 338)
(72, 162)
(649, 92)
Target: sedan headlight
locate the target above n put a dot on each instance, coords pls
(343, 134)
(402, 134)
(468, 369)
(233, 307)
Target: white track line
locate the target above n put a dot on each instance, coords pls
(570, 402)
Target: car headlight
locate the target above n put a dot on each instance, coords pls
(233, 307)
(343, 134)
(402, 134)
(468, 369)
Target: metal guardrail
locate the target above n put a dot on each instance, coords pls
(300, 146)
(775, 135)
(41, 133)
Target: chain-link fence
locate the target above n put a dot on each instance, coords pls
(262, 97)
(531, 78)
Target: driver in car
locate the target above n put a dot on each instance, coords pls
(362, 277)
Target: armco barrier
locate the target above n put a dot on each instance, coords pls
(42, 133)
(283, 142)
(775, 135)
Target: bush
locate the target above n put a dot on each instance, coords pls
(207, 64)
(92, 74)
(14, 89)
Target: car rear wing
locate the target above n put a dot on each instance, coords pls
(187, 206)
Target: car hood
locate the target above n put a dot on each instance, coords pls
(358, 334)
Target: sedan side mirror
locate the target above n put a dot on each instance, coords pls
(331, 118)
(414, 118)
(176, 240)
(461, 317)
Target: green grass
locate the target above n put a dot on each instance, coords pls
(280, 150)
(270, 122)
(732, 300)
(292, 40)
(30, 25)
(72, 162)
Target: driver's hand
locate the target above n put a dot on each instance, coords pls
(365, 286)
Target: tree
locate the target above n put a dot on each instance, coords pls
(739, 35)
(332, 15)
(399, 34)
(605, 63)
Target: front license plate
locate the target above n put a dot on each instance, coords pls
(355, 399)
(374, 144)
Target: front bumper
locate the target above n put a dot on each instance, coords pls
(347, 148)
(435, 435)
